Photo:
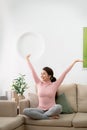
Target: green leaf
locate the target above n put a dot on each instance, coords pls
(19, 84)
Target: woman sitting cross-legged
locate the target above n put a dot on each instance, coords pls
(47, 87)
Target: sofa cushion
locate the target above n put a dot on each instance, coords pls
(66, 108)
(8, 108)
(33, 98)
(80, 120)
(11, 123)
(64, 120)
(82, 101)
(70, 92)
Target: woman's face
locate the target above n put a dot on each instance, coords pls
(44, 76)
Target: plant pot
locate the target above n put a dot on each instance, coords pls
(20, 97)
(15, 97)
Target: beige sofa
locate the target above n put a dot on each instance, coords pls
(9, 120)
(76, 95)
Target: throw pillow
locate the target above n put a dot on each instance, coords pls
(67, 109)
(33, 98)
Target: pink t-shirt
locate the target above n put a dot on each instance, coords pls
(46, 94)
(46, 90)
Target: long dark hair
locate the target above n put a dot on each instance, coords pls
(52, 78)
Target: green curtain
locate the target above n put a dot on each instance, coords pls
(85, 47)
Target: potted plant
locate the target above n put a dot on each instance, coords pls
(19, 86)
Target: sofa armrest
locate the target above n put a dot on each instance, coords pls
(8, 108)
(24, 103)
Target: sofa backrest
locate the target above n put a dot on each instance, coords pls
(82, 98)
(70, 91)
(8, 108)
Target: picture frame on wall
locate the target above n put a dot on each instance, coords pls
(85, 47)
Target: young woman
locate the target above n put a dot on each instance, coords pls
(47, 87)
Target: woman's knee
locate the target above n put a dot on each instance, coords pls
(59, 107)
(26, 111)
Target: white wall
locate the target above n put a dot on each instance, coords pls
(59, 22)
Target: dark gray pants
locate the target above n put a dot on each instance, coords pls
(38, 114)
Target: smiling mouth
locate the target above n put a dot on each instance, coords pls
(42, 78)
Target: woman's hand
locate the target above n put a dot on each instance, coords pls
(78, 60)
(28, 56)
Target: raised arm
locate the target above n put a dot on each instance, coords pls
(36, 78)
(62, 76)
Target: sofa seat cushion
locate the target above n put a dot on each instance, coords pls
(80, 120)
(10, 123)
(65, 120)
